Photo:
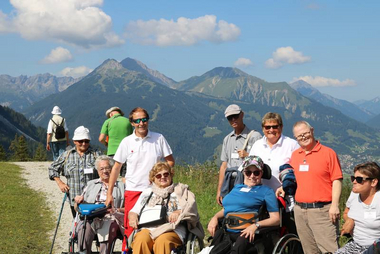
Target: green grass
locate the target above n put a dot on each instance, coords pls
(202, 180)
(25, 219)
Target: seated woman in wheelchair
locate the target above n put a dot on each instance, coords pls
(362, 213)
(247, 198)
(163, 214)
(106, 228)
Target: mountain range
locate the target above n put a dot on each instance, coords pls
(190, 112)
(22, 91)
(349, 109)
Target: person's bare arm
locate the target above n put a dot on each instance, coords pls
(48, 140)
(170, 160)
(102, 139)
(348, 226)
(113, 177)
(273, 220)
(334, 212)
(67, 138)
(133, 219)
(213, 224)
(222, 172)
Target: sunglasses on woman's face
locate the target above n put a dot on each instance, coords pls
(360, 179)
(248, 173)
(158, 176)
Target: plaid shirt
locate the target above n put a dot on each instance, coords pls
(72, 166)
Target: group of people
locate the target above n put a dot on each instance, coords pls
(302, 170)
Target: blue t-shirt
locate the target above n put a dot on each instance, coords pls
(249, 199)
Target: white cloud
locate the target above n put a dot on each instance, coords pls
(57, 55)
(75, 72)
(323, 82)
(75, 22)
(286, 55)
(183, 32)
(243, 62)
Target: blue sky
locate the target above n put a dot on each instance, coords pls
(333, 45)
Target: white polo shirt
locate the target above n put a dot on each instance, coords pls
(141, 154)
(275, 157)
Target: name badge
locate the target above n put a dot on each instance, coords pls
(245, 189)
(234, 156)
(304, 167)
(89, 170)
(369, 215)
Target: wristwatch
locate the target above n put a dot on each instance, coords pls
(257, 225)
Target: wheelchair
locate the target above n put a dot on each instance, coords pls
(87, 212)
(275, 240)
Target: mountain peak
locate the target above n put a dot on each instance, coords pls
(225, 72)
(135, 65)
(301, 84)
(109, 64)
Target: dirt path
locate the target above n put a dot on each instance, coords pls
(37, 176)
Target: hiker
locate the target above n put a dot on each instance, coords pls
(77, 165)
(57, 138)
(233, 152)
(362, 213)
(319, 186)
(140, 150)
(116, 127)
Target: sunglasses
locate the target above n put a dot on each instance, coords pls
(268, 127)
(360, 179)
(83, 141)
(158, 176)
(137, 121)
(236, 116)
(248, 173)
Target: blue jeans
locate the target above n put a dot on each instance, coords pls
(57, 148)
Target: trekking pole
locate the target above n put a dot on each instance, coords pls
(59, 219)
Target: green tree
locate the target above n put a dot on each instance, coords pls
(40, 154)
(19, 148)
(3, 155)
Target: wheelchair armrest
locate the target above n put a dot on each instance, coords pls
(266, 230)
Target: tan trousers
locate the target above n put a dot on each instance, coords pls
(315, 230)
(164, 244)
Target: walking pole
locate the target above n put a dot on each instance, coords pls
(59, 219)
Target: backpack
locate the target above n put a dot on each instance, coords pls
(59, 132)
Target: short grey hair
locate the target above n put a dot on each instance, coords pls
(303, 122)
(104, 158)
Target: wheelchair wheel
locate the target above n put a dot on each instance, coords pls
(194, 244)
(288, 244)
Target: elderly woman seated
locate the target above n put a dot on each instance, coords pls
(96, 192)
(180, 213)
(362, 213)
(248, 198)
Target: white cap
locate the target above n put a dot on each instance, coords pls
(81, 133)
(56, 111)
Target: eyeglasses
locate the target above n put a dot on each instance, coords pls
(236, 116)
(158, 176)
(83, 141)
(303, 135)
(360, 179)
(268, 127)
(105, 169)
(248, 173)
(137, 121)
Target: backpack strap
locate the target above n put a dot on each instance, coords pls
(150, 195)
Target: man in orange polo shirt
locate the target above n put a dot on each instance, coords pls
(319, 185)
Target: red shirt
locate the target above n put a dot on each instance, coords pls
(315, 173)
